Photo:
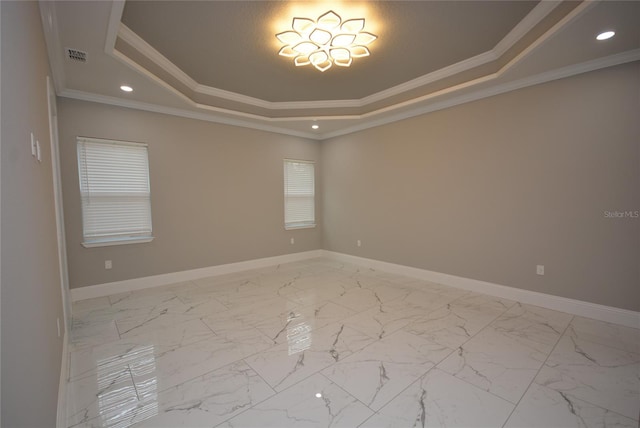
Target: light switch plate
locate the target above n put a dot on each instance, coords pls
(34, 150)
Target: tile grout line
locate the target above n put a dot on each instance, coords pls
(538, 371)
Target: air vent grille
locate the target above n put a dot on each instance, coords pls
(76, 55)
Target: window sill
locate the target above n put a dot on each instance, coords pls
(117, 241)
(302, 226)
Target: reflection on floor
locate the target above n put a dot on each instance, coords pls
(320, 343)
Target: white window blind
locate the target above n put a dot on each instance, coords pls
(115, 192)
(299, 194)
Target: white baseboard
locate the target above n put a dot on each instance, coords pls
(576, 307)
(110, 288)
(61, 418)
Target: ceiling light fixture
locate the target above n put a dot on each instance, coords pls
(606, 35)
(326, 41)
(126, 88)
(314, 126)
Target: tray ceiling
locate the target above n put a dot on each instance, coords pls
(218, 60)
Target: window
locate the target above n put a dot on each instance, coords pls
(115, 193)
(299, 194)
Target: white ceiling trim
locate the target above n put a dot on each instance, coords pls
(536, 15)
(532, 19)
(117, 8)
(541, 10)
(216, 117)
(152, 54)
(548, 76)
(579, 10)
(208, 117)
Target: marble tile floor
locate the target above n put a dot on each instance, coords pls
(320, 343)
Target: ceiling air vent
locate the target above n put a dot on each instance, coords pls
(76, 55)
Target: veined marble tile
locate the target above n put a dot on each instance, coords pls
(545, 407)
(206, 400)
(301, 320)
(315, 295)
(440, 400)
(382, 320)
(363, 280)
(604, 333)
(118, 354)
(254, 294)
(250, 314)
(166, 368)
(204, 308)
(86, 333)
(362, 298)
(305, 354)
(315, 402)
(189, 292)
(454, 324)
(148, 307)
(198, 362)
(149, 322)
(105, 396)
(90, 307)
(142, 298)
(380, 371)
(601, 375)
(428, 300)
(496, 362)
(533, 323)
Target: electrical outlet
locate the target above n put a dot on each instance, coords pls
(540, 269)
(58, 324)
(108, 264)
(359, 243)
(293, 241)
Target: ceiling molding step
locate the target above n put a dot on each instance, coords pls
(152, 54)
(232, 96)
(52, 41)
(443, 73)
(117, 8)
(533, 18)
(613, 60)
(140, 69)
(548, 76)
(520, 30)
(207, 117)
(575, 13)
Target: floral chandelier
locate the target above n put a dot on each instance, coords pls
(325, 42)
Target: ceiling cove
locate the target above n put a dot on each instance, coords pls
(504, 60)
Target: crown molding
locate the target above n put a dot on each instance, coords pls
(117, 7)
(538, 13)
(131, 38)
(216, 115)
(561, 73)
(172, 111)
(532, 19)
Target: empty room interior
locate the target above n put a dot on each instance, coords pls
(320, 214)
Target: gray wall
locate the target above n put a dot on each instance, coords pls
(216, 193)
(31, 292)
(489, 189)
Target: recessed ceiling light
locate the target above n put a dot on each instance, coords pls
(314, 126)
(318, 395)
(606, 35)
(126, 88)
